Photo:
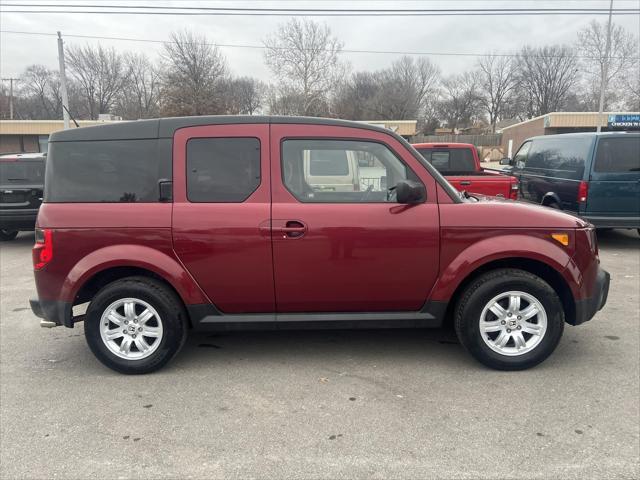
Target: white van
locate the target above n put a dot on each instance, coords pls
(331, 170)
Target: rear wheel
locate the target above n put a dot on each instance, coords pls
(8, 235)
(509, 319)
(135, 325)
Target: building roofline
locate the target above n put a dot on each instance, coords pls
(565, 113)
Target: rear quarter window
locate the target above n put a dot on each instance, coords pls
(559, 157)
(105, 171)
(618, 155)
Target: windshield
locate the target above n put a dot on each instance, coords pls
(22, 172)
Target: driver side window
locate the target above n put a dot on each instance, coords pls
(341, 171)
(520, 159)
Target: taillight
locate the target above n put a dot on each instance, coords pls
(583, 192)
(42, 252)
(513, 194)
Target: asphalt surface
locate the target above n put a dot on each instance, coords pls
(328, 404)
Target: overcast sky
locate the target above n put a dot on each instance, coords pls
(459, 34)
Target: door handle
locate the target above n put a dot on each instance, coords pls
(292, 229)
(465, 182)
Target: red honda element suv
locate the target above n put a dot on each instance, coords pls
(165, 226)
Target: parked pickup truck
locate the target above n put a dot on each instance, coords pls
(157, 227)
(459, 163)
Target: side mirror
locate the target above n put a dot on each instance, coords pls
(506, 161)
(410, 192)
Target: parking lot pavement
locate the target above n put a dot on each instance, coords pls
(328, 404)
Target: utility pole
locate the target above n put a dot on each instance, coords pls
(605, 68)
(63, 83)
(10, 80)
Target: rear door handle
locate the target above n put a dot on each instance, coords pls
(465, 182)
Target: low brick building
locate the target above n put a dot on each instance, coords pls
(404, 128)
(31, 136)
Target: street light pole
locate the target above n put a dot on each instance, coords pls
(605, 68)
(63, 83)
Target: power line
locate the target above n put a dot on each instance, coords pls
(330, 10)
(311, 12)
(262, 47)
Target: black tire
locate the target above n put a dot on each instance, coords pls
(169, 307)
(554, 205)
(481, 291)
(8, 235)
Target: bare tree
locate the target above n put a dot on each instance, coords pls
(546, 75)
(140, 96)
(101, 74)
(354, 96)
(38, 95)
(399, 92)
(193, 72)
(40, 89)
(303, 55)
(632, 89)
(404, 88)
(244, 95)
(460, 104)
(622, 61)
(497, 79)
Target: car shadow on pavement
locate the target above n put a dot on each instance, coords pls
(625, 239)
(371, 345)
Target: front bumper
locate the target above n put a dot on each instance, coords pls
(588, 307)
(52, 311)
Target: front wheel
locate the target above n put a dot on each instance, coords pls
(509, 319)
(135, 325)
(8, 235)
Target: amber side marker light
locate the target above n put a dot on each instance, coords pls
(562, 238)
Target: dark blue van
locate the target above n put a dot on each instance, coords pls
(593, 175)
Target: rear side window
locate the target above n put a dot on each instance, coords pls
(21, 172)
(559, 157)
(450, 160)
(618, 155)
(222, 170)
(105, 171)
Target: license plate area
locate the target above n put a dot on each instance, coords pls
(13, 196)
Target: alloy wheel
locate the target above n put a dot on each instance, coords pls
(513, 323)
(131, 328)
